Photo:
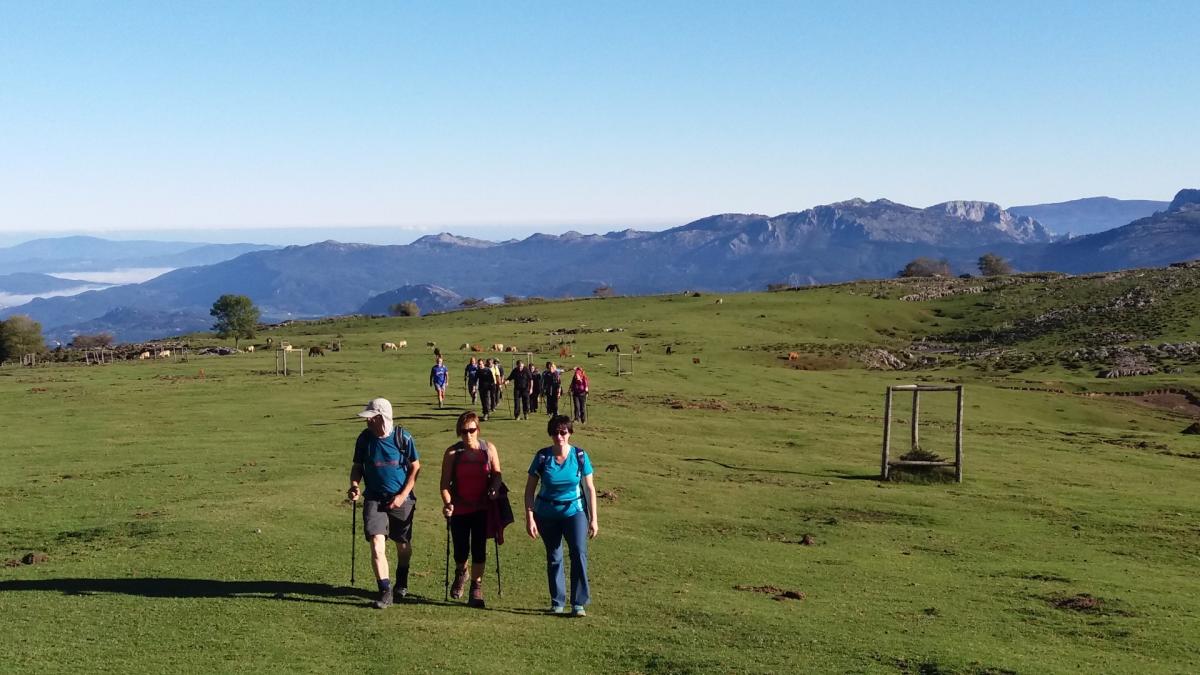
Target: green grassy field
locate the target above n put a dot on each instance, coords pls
(198, 524)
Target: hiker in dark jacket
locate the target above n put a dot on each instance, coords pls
(470, 479)
(522, 381)
(535, 389)
(551, 388)
(487, 388)
(471, 377)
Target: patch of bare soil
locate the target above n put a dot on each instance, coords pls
(31, 558)
(1176, 403)
(1078, 603)
(608, 495)
(699, 404)
(774, 591)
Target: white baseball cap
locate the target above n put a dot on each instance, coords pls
(378, 406)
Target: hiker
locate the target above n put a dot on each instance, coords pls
(500, 382)
(535, 386)
(470, 480)
(565, 506)
(522, 382)
(579, 392)
(487, 388)
(438, 375)
(551, 388)
(385, 456)
(471, 377)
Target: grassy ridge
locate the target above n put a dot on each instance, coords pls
(148, 487)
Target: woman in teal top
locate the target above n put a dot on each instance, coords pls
(565, 506)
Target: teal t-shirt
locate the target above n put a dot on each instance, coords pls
(559, 495)
(385, 464)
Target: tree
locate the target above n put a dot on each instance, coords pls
(20, 335)
(406, 308)
(97, 341)
(926, 267)
(237, 317)
(992, 265)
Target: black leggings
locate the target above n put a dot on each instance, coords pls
(470, 534)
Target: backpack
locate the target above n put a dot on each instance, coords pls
(543, 457)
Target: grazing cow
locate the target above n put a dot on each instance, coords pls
(637, 349)
(719, 301)
(476, 348)
(316, 351)
(270, 341)
(564, 352)
(164, 354)
(250, 349)
(612, 348)
(143, 356)
(695, 359)
(430, 344)
(387, 345)
(402, 344)
(669, 349)
(513, 349)
(498, 347)
(334, 347)
(465, 345)
(793, 356)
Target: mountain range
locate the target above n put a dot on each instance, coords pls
(729, 252)
(87, 254)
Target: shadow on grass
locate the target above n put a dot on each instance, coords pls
(858, 476)
(293, 591)
(744, 468)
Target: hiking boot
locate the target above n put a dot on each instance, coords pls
(400, 593)
(578, 610)
(476, 595)
(384, 601)
(456, 589)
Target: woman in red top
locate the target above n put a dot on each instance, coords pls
(579, 391)
(470, 477)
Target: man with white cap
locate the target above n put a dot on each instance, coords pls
(386, 457)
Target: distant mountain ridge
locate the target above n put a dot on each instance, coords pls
(836, 242)
(1089, 215)
(87, 254)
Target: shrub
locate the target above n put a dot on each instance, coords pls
(97, 341)
(926, 267)
(992, 265)
(20, 335)
(406, 308)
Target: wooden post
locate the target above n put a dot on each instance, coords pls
(301, 363)
(958, 437)
(916, 413)
(887, 433)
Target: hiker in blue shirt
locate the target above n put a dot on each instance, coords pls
(565, 506)
(438, 375)
(386, 458)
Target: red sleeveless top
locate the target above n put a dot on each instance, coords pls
(470, 479)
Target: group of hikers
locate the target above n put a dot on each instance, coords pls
(560, 503)
(485, 380)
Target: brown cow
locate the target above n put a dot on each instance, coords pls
(564, 352)
(476, 348)
(637, 349)
(793, 356)
(316, 351)
(695, 359)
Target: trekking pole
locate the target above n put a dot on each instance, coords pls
(499, 588)
(353, 537)
(447, 577)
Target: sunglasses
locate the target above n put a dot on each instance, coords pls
(562, 432)
(470, 430)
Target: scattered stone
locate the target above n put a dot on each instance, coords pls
(808, 540)
(609, 495)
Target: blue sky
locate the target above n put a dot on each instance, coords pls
(512, 117)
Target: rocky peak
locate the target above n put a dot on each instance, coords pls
(976, 212)
(1185, 200)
